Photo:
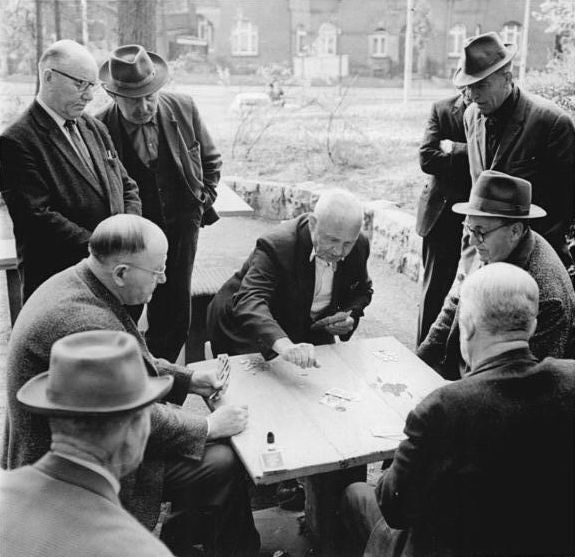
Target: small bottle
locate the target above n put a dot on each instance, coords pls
(272, 458)
(271, 441)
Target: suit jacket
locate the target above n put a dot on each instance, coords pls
(538, 144)
(55, 202)
(58, 507)
(72, 301)
(271, 295)
(450, 181)
(469, 479)
(190, 146)
(555, 320)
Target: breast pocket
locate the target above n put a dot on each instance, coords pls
(526, 168)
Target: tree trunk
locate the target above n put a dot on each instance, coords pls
(137, 23)
(39, 38)
(57, 20)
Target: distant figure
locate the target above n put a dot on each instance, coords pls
(59, 171)
(305, 282)
(469, 480)
(520, 134)
(442, 155)
(96, 396)
(166, 147)
(497, 226)
(276, 93)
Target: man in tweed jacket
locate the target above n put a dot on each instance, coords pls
(497, 230)
(181, 464)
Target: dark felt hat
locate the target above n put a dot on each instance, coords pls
(496, 194)
(482, 56)
(133, 72)
(93, 373)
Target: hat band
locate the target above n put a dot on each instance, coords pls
(137, 84)
(496, 206)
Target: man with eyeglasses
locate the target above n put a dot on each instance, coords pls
(166, 147)
(497, 220)
(59, 170)
(188, 460)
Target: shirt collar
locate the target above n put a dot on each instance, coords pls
(97, 468)
(130, 127)
(313, 256)
(55, 116)
(506, 109)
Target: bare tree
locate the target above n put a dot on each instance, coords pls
(137, 23)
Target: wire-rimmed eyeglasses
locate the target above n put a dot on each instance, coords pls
(480, 235)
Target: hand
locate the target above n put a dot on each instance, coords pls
(227, 421)
(446, 145)
(205, 382)
(301, 354)
(340, 323)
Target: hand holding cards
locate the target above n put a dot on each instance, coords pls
(223, 375)
(339, 323)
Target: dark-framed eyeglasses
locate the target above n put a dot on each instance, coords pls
(480, 235)
(159, 274)
(82, 85)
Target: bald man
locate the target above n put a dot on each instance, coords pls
(305, 283)
(59, 172)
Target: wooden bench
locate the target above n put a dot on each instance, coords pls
(9, 263)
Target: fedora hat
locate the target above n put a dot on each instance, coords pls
(482, 56)
(93, 373)
(132, 72)
(496, 194)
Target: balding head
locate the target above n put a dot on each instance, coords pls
(499, 301)
(68, 73)
(335, 224)
(128, 254)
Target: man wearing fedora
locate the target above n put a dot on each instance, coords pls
(467, 480)
(96, 396)
(188, 460)
(167, 149)
(497, 220)
(520, 134)
(59, 172)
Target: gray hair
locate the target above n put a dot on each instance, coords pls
(499, 298)
(121, 235)
(60, 51)
(338, 204)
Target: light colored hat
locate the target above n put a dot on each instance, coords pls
(482, 56)
(133, 72)
(93, 373)
(496, 194)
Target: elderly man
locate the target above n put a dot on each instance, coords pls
(305, 282)
(96, 395)
(519, 134)
(468, 480)
(497, 222)
(183, 464)
(442, 155)
(59, 171)
(166, 148)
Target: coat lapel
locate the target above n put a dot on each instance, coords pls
(169, 126)
(513, 129)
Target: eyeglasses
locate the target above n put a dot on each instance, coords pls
(82, 85)
(480, 235)
(158, 274)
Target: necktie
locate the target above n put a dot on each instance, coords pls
(491, 140)
(145, 142)
(81, 148)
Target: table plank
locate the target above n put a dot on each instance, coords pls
(316, 438)
(229, 204)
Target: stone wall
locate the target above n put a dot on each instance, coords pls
(391, 231)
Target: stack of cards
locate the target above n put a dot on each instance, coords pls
(224, 368)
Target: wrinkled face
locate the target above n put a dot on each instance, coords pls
(489, 93)
(69, 92)
(333, 239)
(138, 110)
(493, 238)
(142, 272)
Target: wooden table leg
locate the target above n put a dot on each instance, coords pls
(14, 293)
(322, 499)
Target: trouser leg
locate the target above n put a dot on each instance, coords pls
(212, 496)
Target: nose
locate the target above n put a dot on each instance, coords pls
(88, 94)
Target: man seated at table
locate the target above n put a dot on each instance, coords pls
(96, 396)
(488, 465)
(305, 283)
(496, 228)
(184, 463)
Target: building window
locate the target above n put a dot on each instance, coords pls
(206, 31)
(245, 39)
(326, 43)
(378, 44)
(510, 33)
(457, 36)
(300, 42)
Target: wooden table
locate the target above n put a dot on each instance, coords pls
(316, 439)
(229, 204)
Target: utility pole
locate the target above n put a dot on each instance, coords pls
(84, 8)
(408, 58)
(524, 41)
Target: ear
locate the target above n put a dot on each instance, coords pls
(312, 222)
(518, 228)
(119, 274)
(533, 327)
(467, 328)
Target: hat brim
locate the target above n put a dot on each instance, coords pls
(462, 79)
(535, 212)
(160, 79)
(33, 397)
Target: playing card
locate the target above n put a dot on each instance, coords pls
(333, 402)
(341, 393)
